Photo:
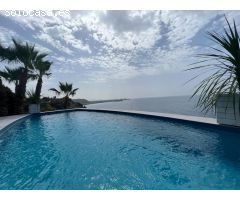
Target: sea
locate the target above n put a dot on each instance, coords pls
(183, 105)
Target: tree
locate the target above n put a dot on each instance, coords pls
(24, 54)
(41, 68)
(12, 75)
(224, 63)
(7, 100)
(67, 90)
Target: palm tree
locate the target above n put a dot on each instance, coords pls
(13, 75)
(24, 54)
(41, 68)
(224, 63)
(67, 90)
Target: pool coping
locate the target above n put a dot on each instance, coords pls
(10, 121)
(7, 122)
(194, 119)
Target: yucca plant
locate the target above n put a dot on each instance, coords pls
(32, 97)
(65, 89)
(224, 65)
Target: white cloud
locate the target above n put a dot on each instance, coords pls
(6, 35)
(184, 25)
(128, 21)
(120, 44)
(55, 30)
(122, 29)
(55, 43)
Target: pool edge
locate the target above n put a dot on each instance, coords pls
(12, 122)
(164, 116)
(156, 115)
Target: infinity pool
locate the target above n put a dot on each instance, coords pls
(90, 150)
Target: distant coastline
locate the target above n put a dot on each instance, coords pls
(174, 105)
(87, 102)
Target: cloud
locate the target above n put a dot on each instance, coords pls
(57, 31)
(128, 21)
(107, 45)
(61, 36)
(53, 42)
(6, 35)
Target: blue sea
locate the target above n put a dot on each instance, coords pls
(176, 105)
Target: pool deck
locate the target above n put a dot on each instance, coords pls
(206, 120)
(6, 122)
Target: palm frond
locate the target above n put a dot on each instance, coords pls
(73, 92)
(12, 74)
(225, 63)
(31, 97)
(55, 90)
(65, 88)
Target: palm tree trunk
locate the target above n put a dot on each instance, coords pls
(38, 88)
(16, 85)
(20, 92)
(66, 102)
(238, 84)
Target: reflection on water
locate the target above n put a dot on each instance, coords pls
(87, 150)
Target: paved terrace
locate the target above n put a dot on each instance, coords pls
(6, 121)
(206, 120)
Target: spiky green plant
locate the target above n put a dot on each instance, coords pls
(32, 97)
(65, 89)
(224, 65)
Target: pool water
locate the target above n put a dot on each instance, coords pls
(90, 150)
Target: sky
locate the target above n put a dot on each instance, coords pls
(118, 54)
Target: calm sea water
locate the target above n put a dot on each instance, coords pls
(87, 150)
(177, 105)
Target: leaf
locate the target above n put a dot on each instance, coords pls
(224, 62)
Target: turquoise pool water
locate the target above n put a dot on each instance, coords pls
(89, 150)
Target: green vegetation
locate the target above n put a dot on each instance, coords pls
(67, 90)
(24, 55)
(7, 100)
(224, 66)
(49, 104)
(32, 65)
(12, 75)
(41, 68)
(32, 97)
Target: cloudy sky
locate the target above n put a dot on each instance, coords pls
(115, 54)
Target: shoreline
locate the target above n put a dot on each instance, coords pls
(86, 102)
